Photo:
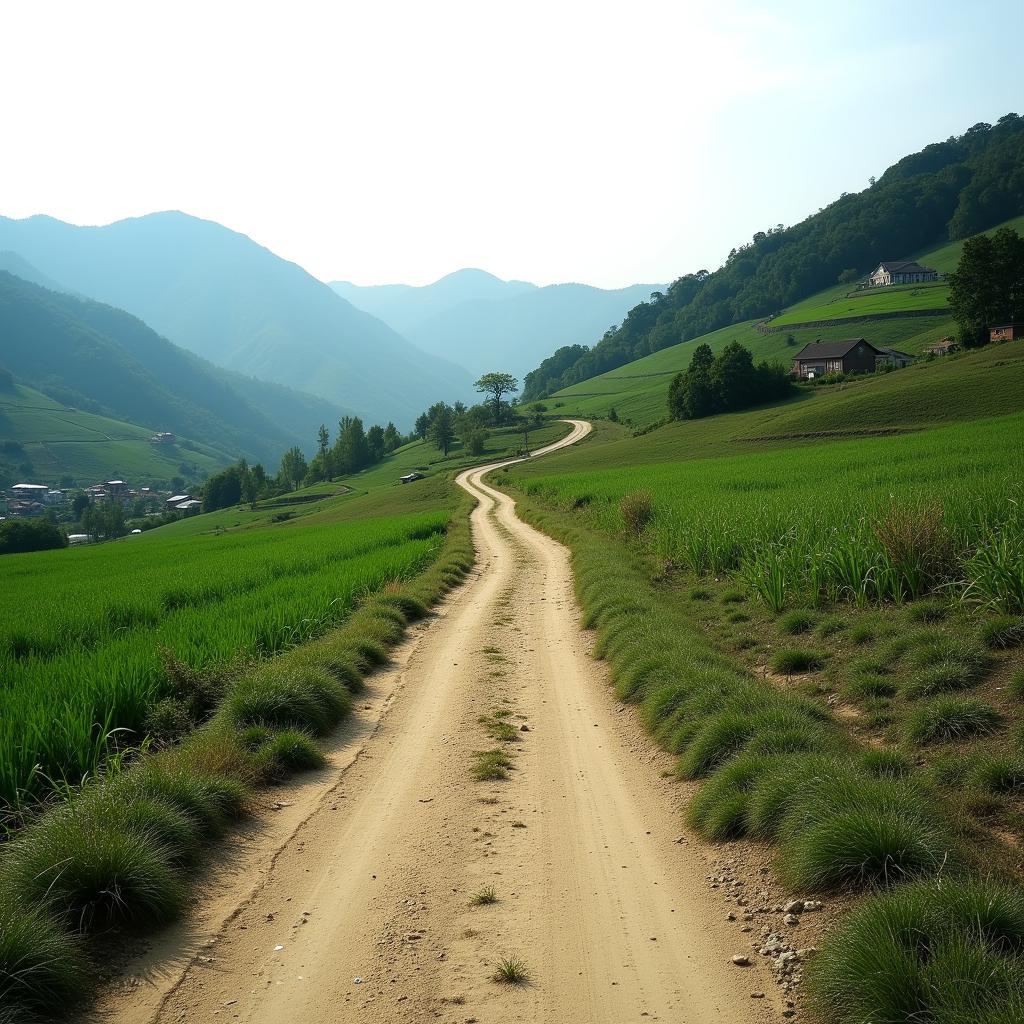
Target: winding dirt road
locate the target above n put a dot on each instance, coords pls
(354, 902)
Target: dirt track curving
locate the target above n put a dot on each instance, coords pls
(353, 902)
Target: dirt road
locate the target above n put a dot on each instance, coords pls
(356, 904)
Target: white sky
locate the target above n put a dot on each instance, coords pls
(398, 140)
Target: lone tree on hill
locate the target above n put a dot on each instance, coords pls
(496, 385)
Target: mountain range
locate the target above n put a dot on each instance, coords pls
(484, 323)
(222, 296)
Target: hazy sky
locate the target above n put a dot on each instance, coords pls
(551, 141)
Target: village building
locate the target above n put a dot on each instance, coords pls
(894, 357)
(30, 492)
(177, 499)
(901, 272)
(1007, 332)
(164, 437)
(943, 348)
(855, 355)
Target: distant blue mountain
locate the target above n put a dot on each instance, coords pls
(219, 294)
(484, 323)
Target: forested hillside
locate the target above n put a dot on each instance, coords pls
(105, 361)
(949, 190)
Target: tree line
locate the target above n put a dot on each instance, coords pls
(949, 190)
(987, 288)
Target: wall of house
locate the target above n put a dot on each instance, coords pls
(860, 360)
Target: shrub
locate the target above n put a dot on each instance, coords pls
(790, 661)
(946, 719)
(796, 622)
(41, 968)
(948, 952)
(637, 511)
(1003, 632)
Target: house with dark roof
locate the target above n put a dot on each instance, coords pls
(855, 355)
(900, 272)
(893, 357)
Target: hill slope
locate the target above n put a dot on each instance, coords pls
(950, 190)
(222, 296)
(638, 390)
(44, 441)
(484, 323)
(104, 360)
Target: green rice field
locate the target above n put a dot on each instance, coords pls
(867, 520)
(82, 631)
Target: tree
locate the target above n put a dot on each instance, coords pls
(392, 439)
(475, 441)
(375, 443)
(442, 428)
(293, 468)
(497, 385)
(18, 535)
(987, 287)
(421, 426)
(323, 445)
(104, 520)
(79, 503)
(250, 491)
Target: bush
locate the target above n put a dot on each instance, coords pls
(948, 719)
(41, 968)
(939, 951)
(20, 535)
(796, 622)
(637, 511)
(790, 661)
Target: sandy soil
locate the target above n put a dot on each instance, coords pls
(351, 900)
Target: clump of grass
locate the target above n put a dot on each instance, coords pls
(939, 951)
(737, 616)
(947, 719)
(211, 800)
(790, 661)
(943, 677)
(830, 625)
(797, 622)
(1016, 686)
(718, 812)
(491, 764)
(862, 633)
(498, 729)
(286, 753)
(42, 970)
(92, 870)
(733, 597)
(869, 685)
(1003, 632)
(637, 510)
(510, 970)
(700, 594)
(999, 775)
(928, 611)
(303, 698)
(885, 764)
(484, 897)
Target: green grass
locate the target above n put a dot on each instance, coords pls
(948, 719)
(58, 441)
(490, 764)
(510, 970)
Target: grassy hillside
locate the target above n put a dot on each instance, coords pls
(639, 390)
(43, 441)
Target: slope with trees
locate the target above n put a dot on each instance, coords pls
(951, 189)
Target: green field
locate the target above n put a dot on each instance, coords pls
(638, 391)
(85, 630)
(58, 441)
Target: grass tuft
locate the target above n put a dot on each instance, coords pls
(490, 764)
(790, 661)
(948, 719)
(797, 622)
(484, 897)
(510, 970)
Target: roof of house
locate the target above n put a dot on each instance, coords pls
(30, 487)
(1009, 323)
(904, 267)
(895, 352)
(831, 349)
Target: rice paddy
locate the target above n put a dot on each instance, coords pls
(85, 634)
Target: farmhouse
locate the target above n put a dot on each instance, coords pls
(31, 492)
(1007, 332)
(900, 272)
(943, 348)
(176, 499)
(894, 357)
(856, 355)
(410, 477)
